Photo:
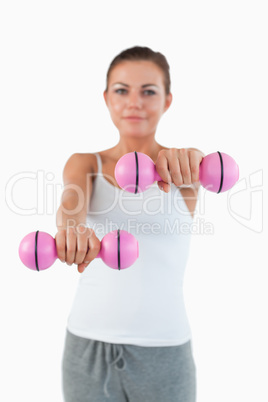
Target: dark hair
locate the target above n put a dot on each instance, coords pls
(142, 53)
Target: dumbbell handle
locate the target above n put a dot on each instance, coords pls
(157, 177)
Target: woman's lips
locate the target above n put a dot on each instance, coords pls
(134, 118)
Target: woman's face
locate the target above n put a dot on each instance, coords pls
(136, 97)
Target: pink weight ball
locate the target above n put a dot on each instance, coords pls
(119, 250)
(37, 250)
(135, 172)
(218, 172)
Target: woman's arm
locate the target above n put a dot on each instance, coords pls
(76, 243)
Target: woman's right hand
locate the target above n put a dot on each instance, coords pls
(77, 245)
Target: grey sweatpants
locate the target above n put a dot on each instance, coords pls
(95, 371)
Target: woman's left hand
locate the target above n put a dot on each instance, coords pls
(178, 166)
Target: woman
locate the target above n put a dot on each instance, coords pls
(128, 337)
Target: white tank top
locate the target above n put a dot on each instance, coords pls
(141, 305)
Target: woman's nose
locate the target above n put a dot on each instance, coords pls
(134, 100)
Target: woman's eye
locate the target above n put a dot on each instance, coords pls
(121, 91)
(149, 92)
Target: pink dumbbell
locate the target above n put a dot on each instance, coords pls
(135, 172)
(119, 250)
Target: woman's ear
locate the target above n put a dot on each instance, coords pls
(168, 102)
(105, 96)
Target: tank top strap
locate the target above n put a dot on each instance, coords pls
(99, 162)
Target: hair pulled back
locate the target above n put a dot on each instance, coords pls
(138, 53)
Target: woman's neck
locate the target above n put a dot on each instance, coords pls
(150, 148)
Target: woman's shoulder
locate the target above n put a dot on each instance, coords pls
(86, 162)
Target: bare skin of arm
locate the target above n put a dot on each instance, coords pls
(75, 242)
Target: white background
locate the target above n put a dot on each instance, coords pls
(54, 58)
